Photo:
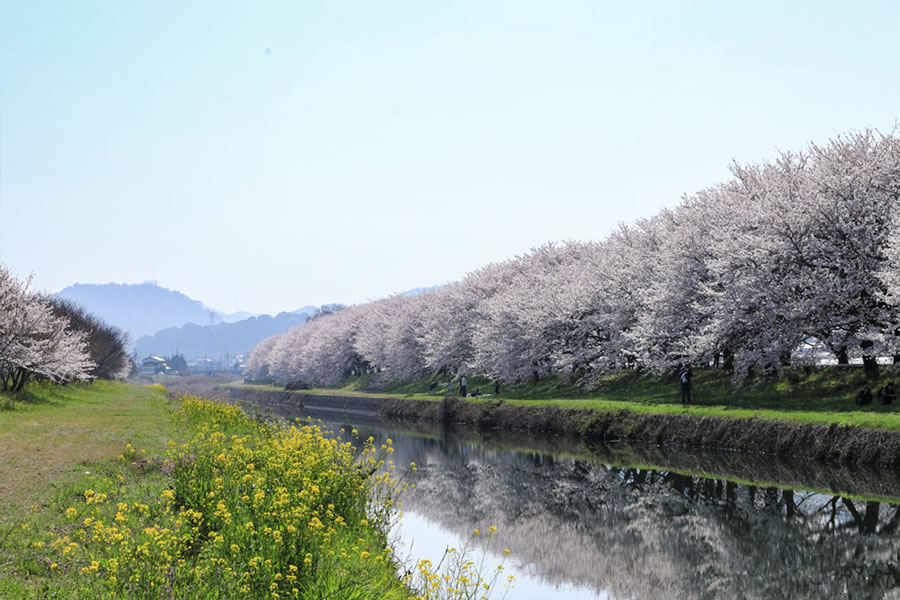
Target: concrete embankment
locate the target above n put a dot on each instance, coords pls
(754, 436)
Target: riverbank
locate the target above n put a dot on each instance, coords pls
(810, 415)
(749, 433)
(860, 482)
(829, 388)
(130, 493)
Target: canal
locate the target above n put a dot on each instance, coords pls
(622, 522)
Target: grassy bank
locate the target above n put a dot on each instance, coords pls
(820, 396)
(203, 502)
(821, 388)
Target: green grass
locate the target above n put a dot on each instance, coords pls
(822, 396)
(61, 447)
(53, 434)
(818, 396)
(824, 388)
(55, 441)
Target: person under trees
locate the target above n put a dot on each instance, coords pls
(864, 396)
(684, 378)
(887, 394)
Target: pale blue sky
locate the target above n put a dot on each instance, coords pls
(270, 155)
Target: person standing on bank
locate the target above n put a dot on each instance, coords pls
(684, 375)
(462, 386)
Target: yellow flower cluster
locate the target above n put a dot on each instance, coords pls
(251, 510)
(457, 576)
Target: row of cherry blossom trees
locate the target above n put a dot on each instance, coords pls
(744, 275)
(107, 344)
(35, 341)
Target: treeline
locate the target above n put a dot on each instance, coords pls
(788, 261)
(53, 339)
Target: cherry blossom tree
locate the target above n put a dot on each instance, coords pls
(329, 354)
(259, 362)
(35, 342)
(802, 248)
(106, 344)
(390, 336)
(531, 323)
(856, 184)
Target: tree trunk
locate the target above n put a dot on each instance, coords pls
(870, 364)
(785, 358)
(896, 355)
(731, 492)
(20, 376)
(787, 497)
(870, 518)
(728, 360)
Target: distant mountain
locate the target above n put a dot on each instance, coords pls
(140, 309)
(215, 341)
(241, 315)
(162, 321)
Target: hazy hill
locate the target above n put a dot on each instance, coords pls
(141, 308)
(237, 316)
(161, 321)
(195, 341)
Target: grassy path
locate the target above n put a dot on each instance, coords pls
(54, 434)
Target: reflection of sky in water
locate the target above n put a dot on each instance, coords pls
(422, 538)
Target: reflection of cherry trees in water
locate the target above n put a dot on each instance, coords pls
(654, 533)
(658, 534)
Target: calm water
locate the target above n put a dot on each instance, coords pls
(585, 523)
